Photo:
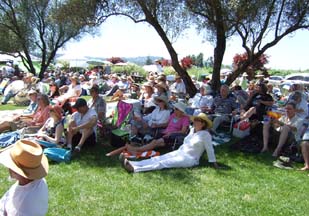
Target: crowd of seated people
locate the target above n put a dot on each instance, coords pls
(161, 115)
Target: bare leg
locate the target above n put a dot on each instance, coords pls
(305, 152)
(150, 146)
(282, 139)
(70, 134)
(85, 134)
(248, 114)
(266, 127)
(5, 126)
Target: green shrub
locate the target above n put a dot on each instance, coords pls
(129, 70)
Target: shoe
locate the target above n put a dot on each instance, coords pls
(281, 165)
(76, 151)
(122, 158)
(128, 166)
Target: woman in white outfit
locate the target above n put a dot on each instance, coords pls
(188, 155)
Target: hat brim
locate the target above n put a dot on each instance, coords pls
(33, 173)
(182, 109)
(207, 120)
(162, 99)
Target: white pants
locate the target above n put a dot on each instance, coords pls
(173, 159)
(218, 120)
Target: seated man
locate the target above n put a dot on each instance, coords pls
(178, 125)
(257, 104)
(82, 128)
(288, 125)
(178, 88)
(223, 105)
(28, 165)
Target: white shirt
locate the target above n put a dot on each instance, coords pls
(199, 101)
(25, 200)
(73, 91)
(178, 87)
(196, 143)
(157, 116)
(80, 120)
(304, 106)
(295, 122)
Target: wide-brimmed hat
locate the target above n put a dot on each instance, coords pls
(35, 80)
(161, 85)
(80, 102)
(203, 117)
(148, 84)
(177, 77)
(161, 98)
(180, 106)
(32, 91)
(74, 77)
(25, 158)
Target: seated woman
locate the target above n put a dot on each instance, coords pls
(35, 122)
(26, 113)
(158, 118)
(146, 98)
(53, 90)
(72, 90)
(178, 125)
(257, 104)
(188, 155)
(288, 125)
(52, 130)
(202, 101)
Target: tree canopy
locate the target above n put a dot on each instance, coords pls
(41, 27)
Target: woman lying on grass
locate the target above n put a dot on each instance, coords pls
(188, 155)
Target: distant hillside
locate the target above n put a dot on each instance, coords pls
(141, 60)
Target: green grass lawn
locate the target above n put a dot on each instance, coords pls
(249, 185)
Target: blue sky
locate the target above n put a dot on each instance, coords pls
(120, 37)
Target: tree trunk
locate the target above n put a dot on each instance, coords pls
(219, 49)
(190, 87)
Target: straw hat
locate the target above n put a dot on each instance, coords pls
(35, 80)
(203, 117)
(25, 158)
(180, 106)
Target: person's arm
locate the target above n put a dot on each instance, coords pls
(58, 134)
(210, 149)
(91, 123)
